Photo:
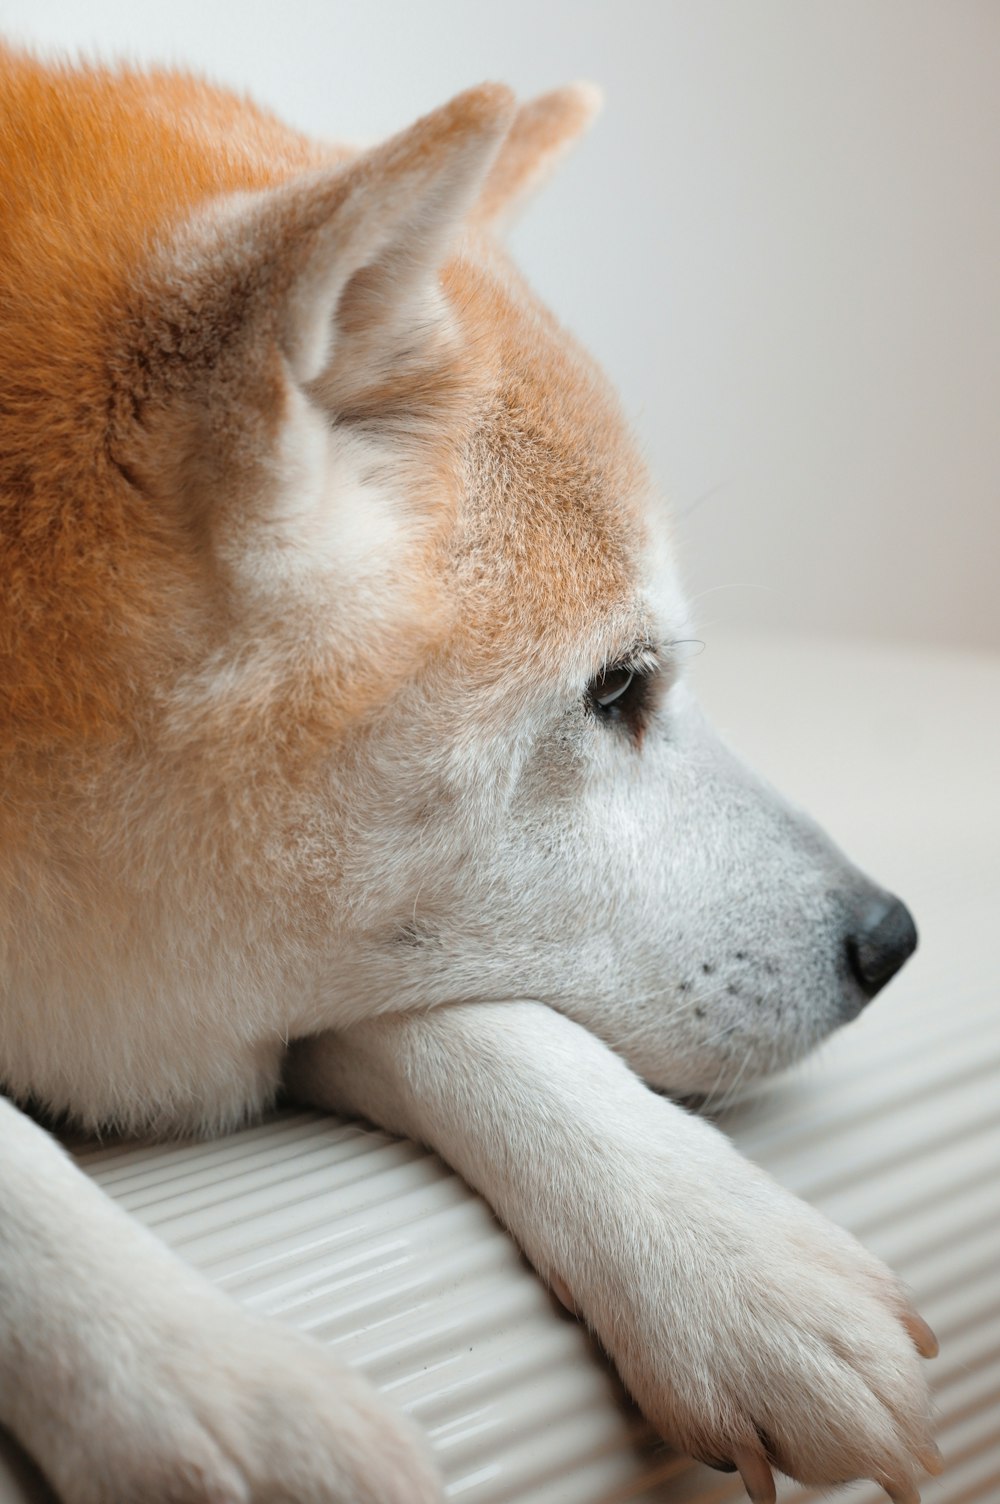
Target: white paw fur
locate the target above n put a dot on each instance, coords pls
(213, 1406)
(759, 1330)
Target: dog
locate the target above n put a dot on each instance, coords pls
(348, 751)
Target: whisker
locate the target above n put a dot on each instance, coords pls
(733, 585)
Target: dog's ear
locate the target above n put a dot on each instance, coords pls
(271, 315)
(278, 269)
(542, 132)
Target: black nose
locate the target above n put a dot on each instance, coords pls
(883, 938)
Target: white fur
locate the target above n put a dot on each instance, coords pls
(333, 530)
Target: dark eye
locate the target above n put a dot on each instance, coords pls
(627, 690)
(620, 696)
(608, 688)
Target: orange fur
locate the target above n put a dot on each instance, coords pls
(96, 165)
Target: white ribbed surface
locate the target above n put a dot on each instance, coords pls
(894, 1130)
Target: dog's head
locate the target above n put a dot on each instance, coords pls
(333, 560)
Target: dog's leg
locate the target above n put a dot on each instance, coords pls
(749, 1328)
(130, 1378)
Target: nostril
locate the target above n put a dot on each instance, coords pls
(884, 937)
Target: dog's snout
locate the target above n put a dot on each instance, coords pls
(883, 937)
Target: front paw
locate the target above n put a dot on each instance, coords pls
(755, 1333)
(210, 1405)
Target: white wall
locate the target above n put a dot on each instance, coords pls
(783, 241)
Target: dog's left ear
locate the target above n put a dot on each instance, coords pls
(543, 130)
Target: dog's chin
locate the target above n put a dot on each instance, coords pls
(729, 1083)
(720, 1099)
(706, 1086)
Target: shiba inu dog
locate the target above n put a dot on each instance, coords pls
(347, 744)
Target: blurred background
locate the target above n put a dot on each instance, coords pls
(782, 240)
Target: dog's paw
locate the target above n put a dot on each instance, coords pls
(758, 1335)
(215, 1406)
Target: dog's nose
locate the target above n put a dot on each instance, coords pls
(883, 937)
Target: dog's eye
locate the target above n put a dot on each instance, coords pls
(608, 688)
(626, 691)
(621, 696)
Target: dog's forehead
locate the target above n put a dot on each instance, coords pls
(558, 512)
